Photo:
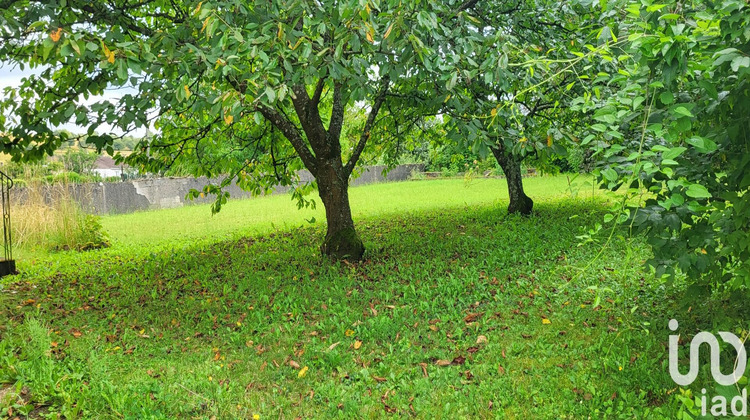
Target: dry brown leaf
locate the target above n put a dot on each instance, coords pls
(333, 346)
(443, 362)
(294, 364)
(424, 369)
(500, 369)
(378, 378)
(472, 316)
(481, 339)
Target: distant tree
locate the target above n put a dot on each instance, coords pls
(509, 110)
(79, 161)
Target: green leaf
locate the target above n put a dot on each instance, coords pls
(681, 110)
(271, 94)
(740, 62)
(610, 174)
(697, 191)
(702, 144)
(673, 153)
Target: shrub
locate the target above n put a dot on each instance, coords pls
(47, 216)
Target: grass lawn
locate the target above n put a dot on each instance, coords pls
(458, 311)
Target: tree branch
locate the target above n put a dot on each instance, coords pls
(377, 103)
(290, 132)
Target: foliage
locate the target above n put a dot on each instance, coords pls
(673, 131)
(187, 328)
(79, 161)
(47, 216)
(221, 74)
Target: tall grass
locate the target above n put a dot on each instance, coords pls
(47, 216)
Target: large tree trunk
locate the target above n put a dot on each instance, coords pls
(320, 152)
(342, 241)
(519, 202)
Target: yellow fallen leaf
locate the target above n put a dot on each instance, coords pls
(357, 345)
(349, 333)
(546, 321)
(302, 372)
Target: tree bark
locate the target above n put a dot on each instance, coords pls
(341, 241)
(321, 155)
(520, 203)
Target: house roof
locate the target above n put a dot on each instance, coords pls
(106, 162)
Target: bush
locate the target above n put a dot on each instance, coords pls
(47, 216)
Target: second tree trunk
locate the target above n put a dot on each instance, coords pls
(519, 202)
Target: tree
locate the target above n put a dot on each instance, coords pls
(253, 76)
(674, 135)
(510, 110)
(80, 161)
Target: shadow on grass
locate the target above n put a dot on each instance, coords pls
(431, 284)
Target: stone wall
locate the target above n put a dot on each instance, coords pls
(161, 193)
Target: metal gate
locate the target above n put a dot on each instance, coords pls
(7, 264)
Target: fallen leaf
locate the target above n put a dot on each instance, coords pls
(481, 339)
(546, 321)
(302, 372)
(424, 369)
(333, 346)
(294, 364)
(357, 345)
(443, 362)
(500, 370)
(378, 378)
(472, 316)
(349, 333)
(460, 360)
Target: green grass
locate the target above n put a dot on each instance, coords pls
(278, 212)
(194, 316)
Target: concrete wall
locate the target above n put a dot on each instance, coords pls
(161, 193)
